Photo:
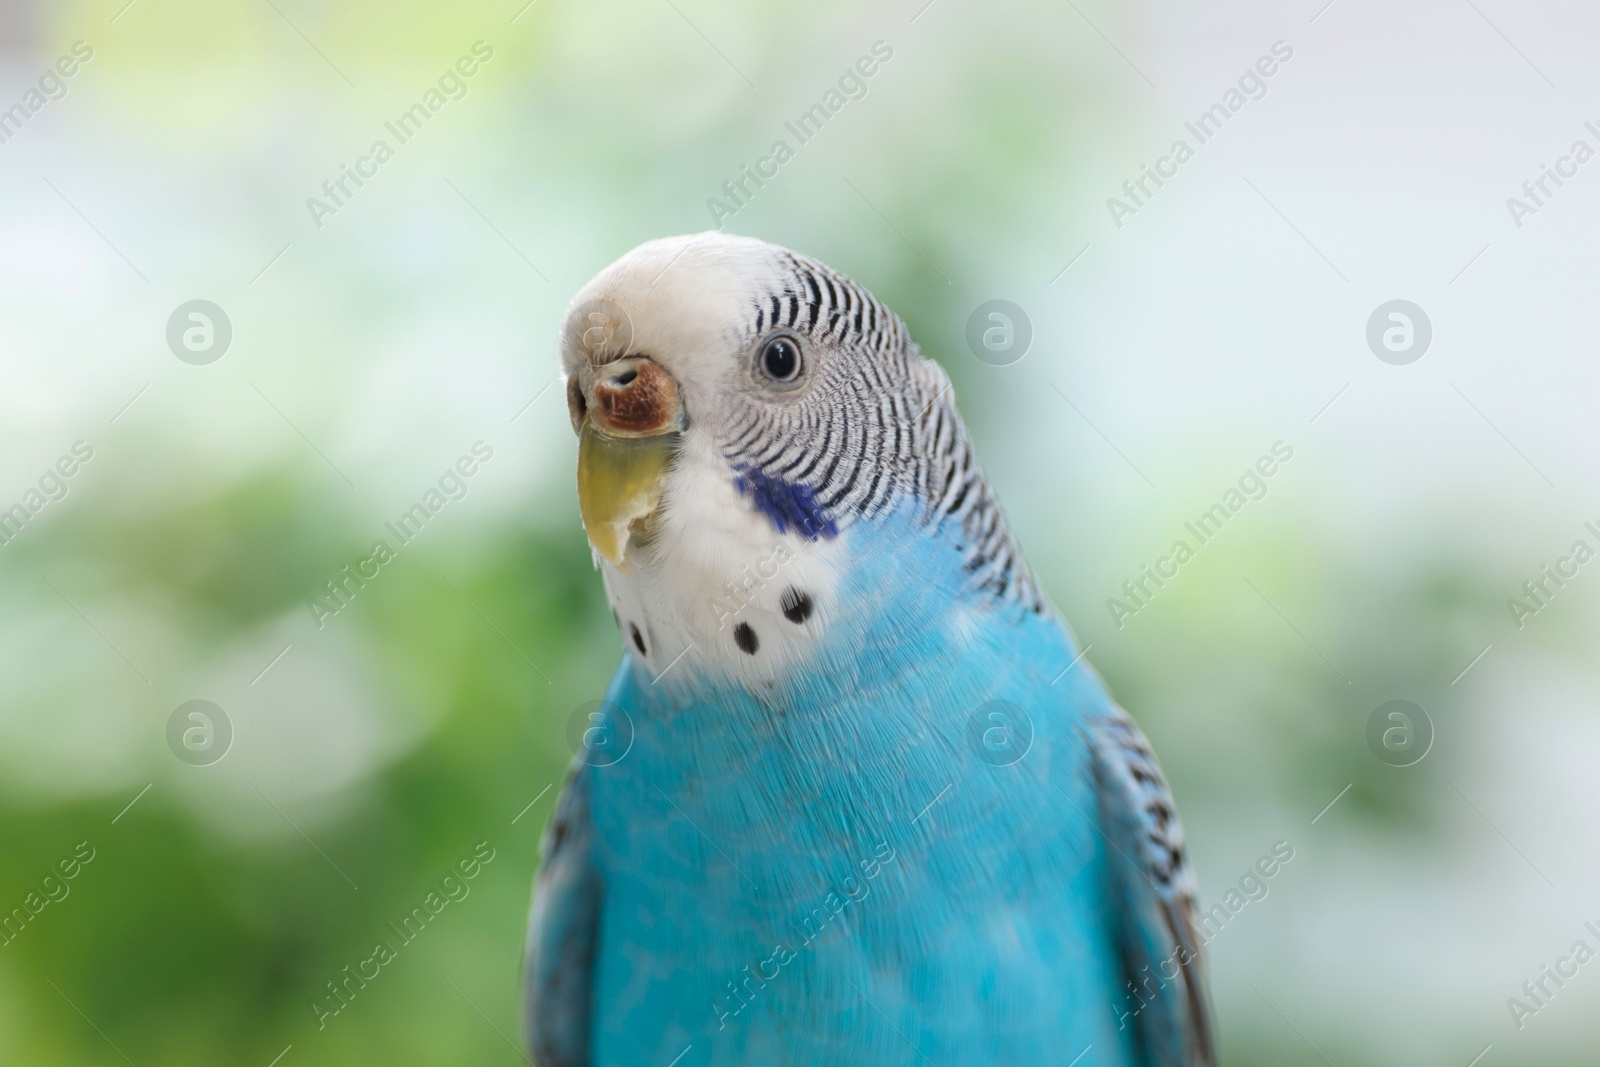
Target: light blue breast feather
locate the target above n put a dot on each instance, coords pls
(845, 869)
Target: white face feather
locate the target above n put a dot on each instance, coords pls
(726, 579)
(685, 299)
(715, 563)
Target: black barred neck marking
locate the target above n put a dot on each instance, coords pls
(887, 430)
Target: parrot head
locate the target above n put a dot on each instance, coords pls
(743, 413)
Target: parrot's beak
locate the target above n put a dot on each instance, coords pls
(629, 419)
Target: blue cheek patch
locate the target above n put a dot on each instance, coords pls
(785, 504)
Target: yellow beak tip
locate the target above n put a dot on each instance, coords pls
(619, 484)
(612, 545)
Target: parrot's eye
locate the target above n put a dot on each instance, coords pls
(779, 360)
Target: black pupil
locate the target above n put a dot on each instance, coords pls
(781, 360)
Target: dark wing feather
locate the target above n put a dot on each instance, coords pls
(558, 989)
(1160, 937)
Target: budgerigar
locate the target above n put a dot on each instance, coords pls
(853, 796)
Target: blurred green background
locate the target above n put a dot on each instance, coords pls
(375, 749)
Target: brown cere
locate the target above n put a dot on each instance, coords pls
(643, 400)
(577, 407)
